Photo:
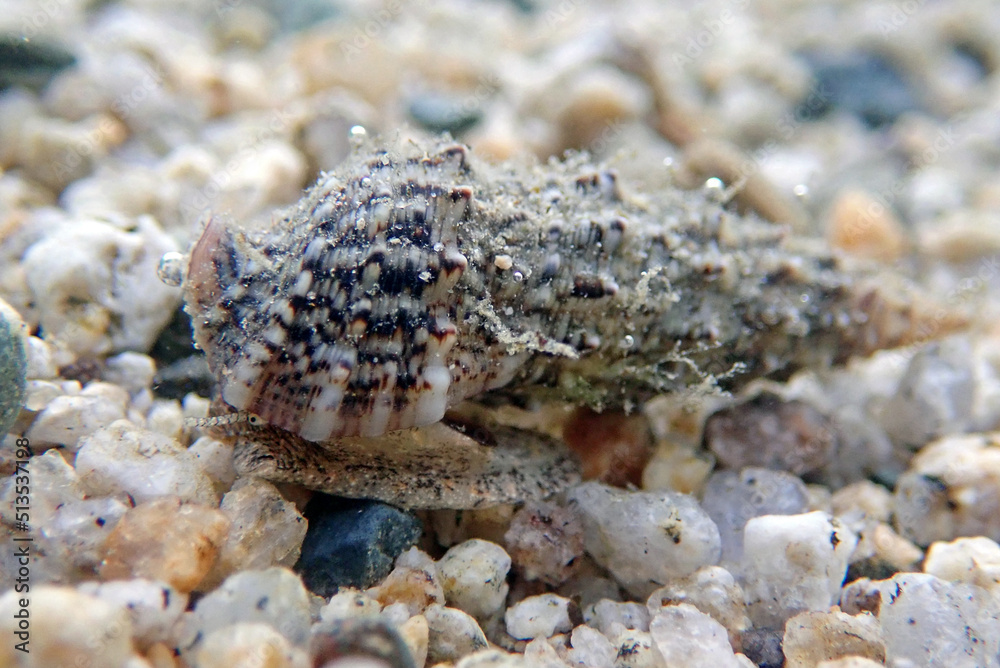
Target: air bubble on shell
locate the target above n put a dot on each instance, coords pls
(171, 268)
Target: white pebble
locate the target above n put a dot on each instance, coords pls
(153, 607)
(711, 589)
(645, 538)
(540, 652)
(130, 370)
(451, 634)
(732, 498)
(67, 419)
(474, 577)
(41, 364)
(349, 603)
(491, 658)
(40, 393)
(685, 636)
(91, 283)
(793, 564)
(605, 614)
(67, 628)
(216, 459)
(165, 417)
(930, 622)
(972, 560)
(590, 649)
(267, 530)
(125, 458)
(53, 483)
(949, 484)
(77, 530)
(275, 596)
(540, 616)
(248, 644)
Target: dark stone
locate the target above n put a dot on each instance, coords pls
(175, 342)
(352, 542)
(30, 63)
(763, 647)
(864, 84)
(437, 112)
(184, 376)
(872, 568)
(181, 367)
(13, 367)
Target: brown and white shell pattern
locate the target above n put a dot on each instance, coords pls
(414, 277)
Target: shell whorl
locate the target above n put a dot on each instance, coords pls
(341, 319)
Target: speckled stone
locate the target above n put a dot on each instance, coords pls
(545, 542)
(731, 499)
(812, 637)
(686, 636)
(763, 647)
(124, 458)
(935, 395)
(153, 607)
(13, 365)
(274, 596)
(711, 589)
(53, 483)
(166, 540)
(635, 649)
(645, 538)
(265, 530)
(349, 603)
(793, 564)
(474, 577)
(609, 616)
(589, 647)
(77, 532)
(951, 490)
(931, 622)
(352, 543)
(769, 432)
(540, 616)
(452, 634)
(91, 283)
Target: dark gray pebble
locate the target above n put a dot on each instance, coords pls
(864, 84)
(30, 63)
(352, 542)
(763, 647)
(13, 367)
(438, 112)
